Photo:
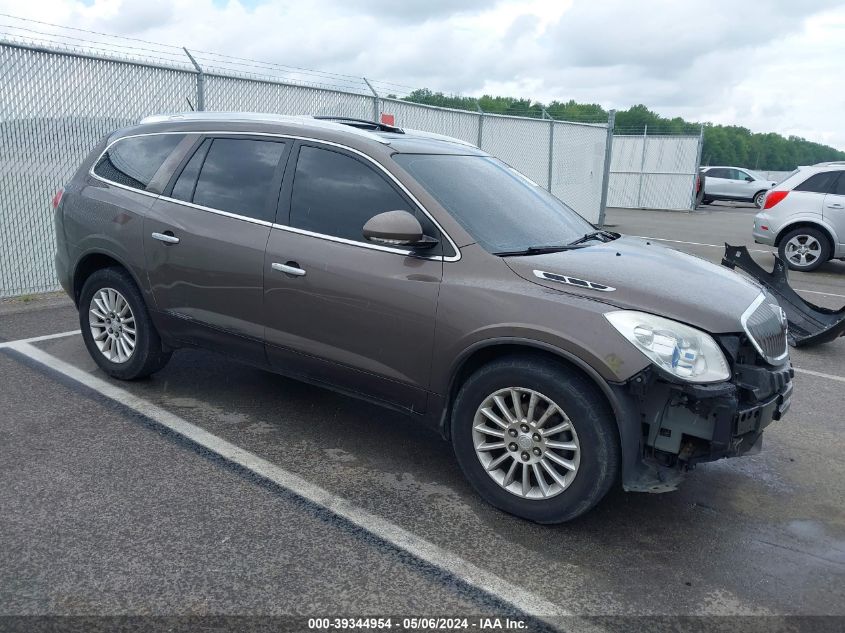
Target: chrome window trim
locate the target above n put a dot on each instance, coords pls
(744, 321)
(374, 247)
(331, 238)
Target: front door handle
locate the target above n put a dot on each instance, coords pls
(835, 205)
(167, 237)
(289, 268)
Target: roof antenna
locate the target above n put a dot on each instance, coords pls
(190, 105)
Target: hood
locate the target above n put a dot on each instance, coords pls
(649, 277)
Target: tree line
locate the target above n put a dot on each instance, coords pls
(723, 144)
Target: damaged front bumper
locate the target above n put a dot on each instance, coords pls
(677, 425)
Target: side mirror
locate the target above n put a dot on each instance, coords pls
(749, 179)
(397, 228)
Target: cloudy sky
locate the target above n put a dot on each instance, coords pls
(770, 65)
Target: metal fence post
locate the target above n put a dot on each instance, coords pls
(551, 146)
(697, 171)
(608, 151)
(200, 81)
(480, 123)
(642, 167)
(376, 101)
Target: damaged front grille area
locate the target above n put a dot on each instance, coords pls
(765, 324)
(684, 424)
(681, 424)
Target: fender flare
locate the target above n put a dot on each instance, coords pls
(816, 220)
(95, 251)
(627, 423)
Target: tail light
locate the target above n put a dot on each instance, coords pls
(773, 197)
(57, 199)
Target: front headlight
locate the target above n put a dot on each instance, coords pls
(681, 350)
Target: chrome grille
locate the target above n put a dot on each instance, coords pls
(765, 324)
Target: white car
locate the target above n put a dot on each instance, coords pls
(804, 216)
(733, 183)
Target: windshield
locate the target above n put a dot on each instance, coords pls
(499, 207)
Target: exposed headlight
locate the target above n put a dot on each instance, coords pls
(681, 350)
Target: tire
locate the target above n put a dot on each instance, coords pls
(593, 430)
(759, 198)
(817, 253)
(707, 201)
(103, 290)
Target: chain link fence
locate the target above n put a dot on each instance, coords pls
(653, 171)
(54, 108)
(56, 104)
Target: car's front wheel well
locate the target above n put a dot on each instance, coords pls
(87, 266)
(497, 351)
(809, 225)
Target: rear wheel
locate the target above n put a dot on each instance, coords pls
(535, 438)
(117, 328)
(804, 249)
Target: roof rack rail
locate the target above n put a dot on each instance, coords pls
(301, 119)
(362, 124)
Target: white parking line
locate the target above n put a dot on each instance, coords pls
(383, 529)
(35, 339)
(819, 374)
(819, 292)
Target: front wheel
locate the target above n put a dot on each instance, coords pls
(535, 438)
(117, 328)
(760, 199)
(804, 249)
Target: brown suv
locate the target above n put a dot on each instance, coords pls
(418, 272)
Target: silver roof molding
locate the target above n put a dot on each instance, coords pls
(303, 120)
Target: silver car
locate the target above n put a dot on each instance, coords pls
(804, 216)
(733, 183)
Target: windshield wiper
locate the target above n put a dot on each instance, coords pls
(539, 250)
(594, 236)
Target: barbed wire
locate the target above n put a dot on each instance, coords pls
(72, 39)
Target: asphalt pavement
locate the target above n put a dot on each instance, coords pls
(108, 511)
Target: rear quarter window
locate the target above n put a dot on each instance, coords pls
(824, 182)
(133, 161)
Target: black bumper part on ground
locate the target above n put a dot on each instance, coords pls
(684, 424)
(808, 324)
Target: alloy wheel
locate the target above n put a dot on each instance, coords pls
(112, 325)
(526, 443)
(803, 250)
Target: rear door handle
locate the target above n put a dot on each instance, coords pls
(289, 268)
(835, 205)
(167, 237)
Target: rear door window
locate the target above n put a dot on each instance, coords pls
(717, 172)
(133, 161)
(235, 175)
(824, 182)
